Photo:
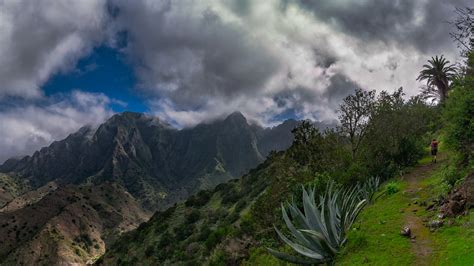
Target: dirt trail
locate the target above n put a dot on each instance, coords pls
(422, 245)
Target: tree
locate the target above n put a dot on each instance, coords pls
(395, 134)
(458, 114)
(305, 146)
(438, 75)
(354, 116)
(464, 34)
(304, 133)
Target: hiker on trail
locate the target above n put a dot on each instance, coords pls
(434, 149)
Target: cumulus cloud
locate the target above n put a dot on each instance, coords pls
(201, 59)
(198, 60)
(421, 24)
(27, 126)
(40, 38)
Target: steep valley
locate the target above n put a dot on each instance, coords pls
(70, 201)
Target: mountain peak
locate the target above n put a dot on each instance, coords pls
(236, 116)
(130, 115)
(127, 118)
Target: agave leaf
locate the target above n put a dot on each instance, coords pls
(300, 237)
(297, 234)
(305, 251)
(311, 212)
(329, 235)
(331, 250)
(354, 214)
(299, 216)
(294, 259)
(333, 221)
(319, 229)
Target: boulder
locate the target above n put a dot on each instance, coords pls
(435, 224)
(460, 199)
(406, 231)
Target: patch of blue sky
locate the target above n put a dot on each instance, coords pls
(105, 71)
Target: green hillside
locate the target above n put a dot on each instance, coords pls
(376, 240)
(384, 136)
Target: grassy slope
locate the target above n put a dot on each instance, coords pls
(217, 227)
(242, 225)
(378, 242)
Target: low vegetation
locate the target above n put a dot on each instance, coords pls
(381, 144)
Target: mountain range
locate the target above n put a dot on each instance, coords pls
(156, 163)
(87, 189)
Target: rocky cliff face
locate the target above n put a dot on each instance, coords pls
(65, 203)
(158, 164)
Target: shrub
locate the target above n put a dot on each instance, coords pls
(451, 175)
(184, 231)
(192, 216)
(198, 200)
(230, 196)
(246, 223)
(233, 217)
(204, 233)
(218, 258)
(392, 188)
(240, 205)
(149, 251)
(165, 240)
(458, 115)
(216, 236)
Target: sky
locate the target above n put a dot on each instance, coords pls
(68, 63)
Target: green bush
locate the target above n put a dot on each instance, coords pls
(193, 216)
(458, 114)
(216, 236)
(240, 205)
(184, 231)
(230, 196)
(218, 258)
(198, 200)
(392, 187)
(246, 223)
(204, 233)
(149, 251)
(165, 240)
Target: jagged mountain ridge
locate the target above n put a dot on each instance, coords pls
(156, 163)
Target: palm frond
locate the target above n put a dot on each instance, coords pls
(438, 73)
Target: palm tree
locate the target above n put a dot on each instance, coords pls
(438, 74)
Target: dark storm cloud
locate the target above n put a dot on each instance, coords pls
(422, 24)
(190, 56)
(340, 86)
(297, 99)
(196, 60)
(240, 7)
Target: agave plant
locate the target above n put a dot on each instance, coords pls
(369, 187)
(319, 230)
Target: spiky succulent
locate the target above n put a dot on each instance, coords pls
(369, 187)
(319, 230)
